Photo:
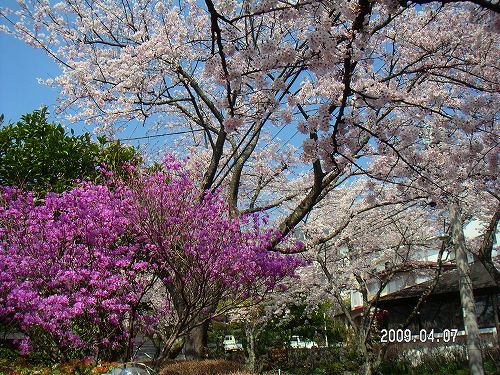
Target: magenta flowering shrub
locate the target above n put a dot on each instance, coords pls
(190, 235)
(89, 268)
(206, 261)
(68, 270)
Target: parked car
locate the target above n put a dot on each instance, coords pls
(131, 368)
(299, 342)
(230, 344)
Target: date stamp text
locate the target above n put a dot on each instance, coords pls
(424, 335)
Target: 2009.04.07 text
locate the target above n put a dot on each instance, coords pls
(405, 335)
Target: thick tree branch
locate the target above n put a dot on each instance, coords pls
(488, 4)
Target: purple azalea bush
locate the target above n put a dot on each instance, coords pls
(83, 272)
(68, 267)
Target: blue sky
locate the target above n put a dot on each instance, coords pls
(20, 67)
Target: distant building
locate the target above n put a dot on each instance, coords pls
(442, 308)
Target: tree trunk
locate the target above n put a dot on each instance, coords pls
(466, 292)
(130, 341)
(250, 336)
(176, 348)
(366, 366)
(486, 249)
(196, 342)
(166, 345)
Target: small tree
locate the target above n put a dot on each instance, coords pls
(204, 261)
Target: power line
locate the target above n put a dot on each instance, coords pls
(287, 141)
(161, 135)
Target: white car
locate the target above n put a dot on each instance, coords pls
(230, 344)
(299, 342)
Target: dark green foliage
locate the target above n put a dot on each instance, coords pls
(37, 155)
(40, 156)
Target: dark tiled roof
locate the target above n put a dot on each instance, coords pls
(448, 283)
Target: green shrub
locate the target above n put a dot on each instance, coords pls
(41, 156)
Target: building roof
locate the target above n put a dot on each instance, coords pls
(448, 283)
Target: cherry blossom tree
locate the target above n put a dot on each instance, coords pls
(374, 241)
(455, 163)
(342, 73)
(395, 225)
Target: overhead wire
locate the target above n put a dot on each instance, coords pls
(160, 135)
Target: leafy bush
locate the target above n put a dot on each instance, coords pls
(306, 361)
(75, 267)
(41, 156)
